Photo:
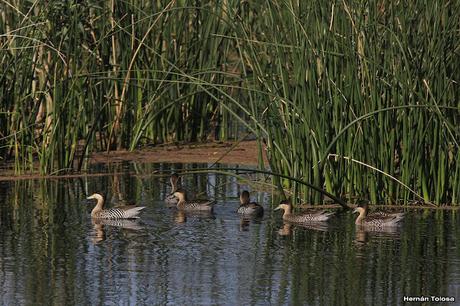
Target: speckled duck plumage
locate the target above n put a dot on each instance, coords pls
(375, 213)
(247, 207)
(120, 212)
(377, 219)
(193, 205)
(305, 217)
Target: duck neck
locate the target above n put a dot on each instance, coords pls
(173, 184)
(361, 216)
(98, 207)
(183, 197)
(244, 200)
(287, 211)
(181, 203)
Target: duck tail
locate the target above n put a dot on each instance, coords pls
(326, 216)
(133, 212)
(399, 217)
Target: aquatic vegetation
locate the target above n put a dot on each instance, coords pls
(359, 99)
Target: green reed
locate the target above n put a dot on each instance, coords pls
(360, 99)
(389, 69)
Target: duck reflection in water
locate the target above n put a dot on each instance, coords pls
(100, 227)
(288, 228)
(363, 234)
(285, 230)
(180, 217)
(99, 233)
(246, 220)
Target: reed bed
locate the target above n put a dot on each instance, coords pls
(361, 99)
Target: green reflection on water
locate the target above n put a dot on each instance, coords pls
(52, 253)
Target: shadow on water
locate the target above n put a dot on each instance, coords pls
(51, 252)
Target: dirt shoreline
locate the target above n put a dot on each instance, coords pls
(241, 153)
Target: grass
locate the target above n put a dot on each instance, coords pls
(361, 99)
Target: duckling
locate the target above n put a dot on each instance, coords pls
(120, 212)
(170, 199)
(184, 204)
(319, 216)
(378, 219)
(247, 207)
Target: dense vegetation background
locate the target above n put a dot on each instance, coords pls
(359, 97)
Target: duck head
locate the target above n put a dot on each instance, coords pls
(285, 205)
(96, 196)
(244, 197)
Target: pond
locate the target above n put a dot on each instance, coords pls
(51, 252)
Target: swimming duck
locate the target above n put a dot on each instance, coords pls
(184, 204)
(378, 219)
(247, 207)
(120, 212)
(378, 213)
(302, 217)
(170, 199)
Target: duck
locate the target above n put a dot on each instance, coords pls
(195, 205)
(120, 212)
(319, 216)
(378, 213)
(247, 207)
(170, 199)
(377, 219)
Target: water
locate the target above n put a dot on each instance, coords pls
(51, 252)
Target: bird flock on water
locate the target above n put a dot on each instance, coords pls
(178, 198)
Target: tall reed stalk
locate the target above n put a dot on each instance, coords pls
(359, 98)
(390, 69)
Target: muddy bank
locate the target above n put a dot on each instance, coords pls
(242, 153)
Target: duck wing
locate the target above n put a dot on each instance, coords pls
(171, 199)
(120, 212)
(310, 217)
(197, 205)
(250, 209)
(383, 219)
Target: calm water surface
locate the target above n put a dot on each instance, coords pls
(51, 252)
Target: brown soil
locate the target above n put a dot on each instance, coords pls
(242, 153)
